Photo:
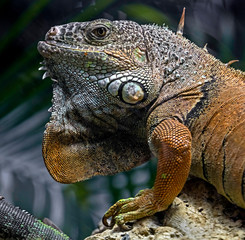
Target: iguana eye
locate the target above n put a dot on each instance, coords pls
(100, 32)
(97, 32)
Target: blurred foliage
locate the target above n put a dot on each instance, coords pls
(25, 18)
(25, 98)
(144, 13)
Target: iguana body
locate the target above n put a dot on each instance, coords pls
(123, 91)
(16, 224)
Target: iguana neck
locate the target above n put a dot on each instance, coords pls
(174, 57)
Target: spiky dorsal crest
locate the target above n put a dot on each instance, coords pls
(180, 28)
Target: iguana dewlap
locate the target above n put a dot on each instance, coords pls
(122, 91)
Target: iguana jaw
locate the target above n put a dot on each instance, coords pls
(48, 49)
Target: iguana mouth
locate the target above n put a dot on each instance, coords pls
(48, 48)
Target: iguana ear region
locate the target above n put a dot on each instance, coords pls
(133, 93)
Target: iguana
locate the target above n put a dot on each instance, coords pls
(16, 224)
(122, 91)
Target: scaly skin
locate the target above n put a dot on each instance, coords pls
(123, 91)
(18, 224)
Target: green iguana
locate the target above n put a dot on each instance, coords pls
(122, 91)
(16, 224)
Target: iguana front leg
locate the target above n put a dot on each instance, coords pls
(171, 142)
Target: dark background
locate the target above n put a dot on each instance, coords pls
(25, 98)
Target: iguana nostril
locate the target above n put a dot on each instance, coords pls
(53, 31)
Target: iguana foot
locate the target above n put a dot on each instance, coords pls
(126, 210)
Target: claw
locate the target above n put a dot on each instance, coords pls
(105, 222)
(113, 212)
(131, 209)
(122, 224)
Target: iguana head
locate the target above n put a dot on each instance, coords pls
(107, 58)
(103, 84)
